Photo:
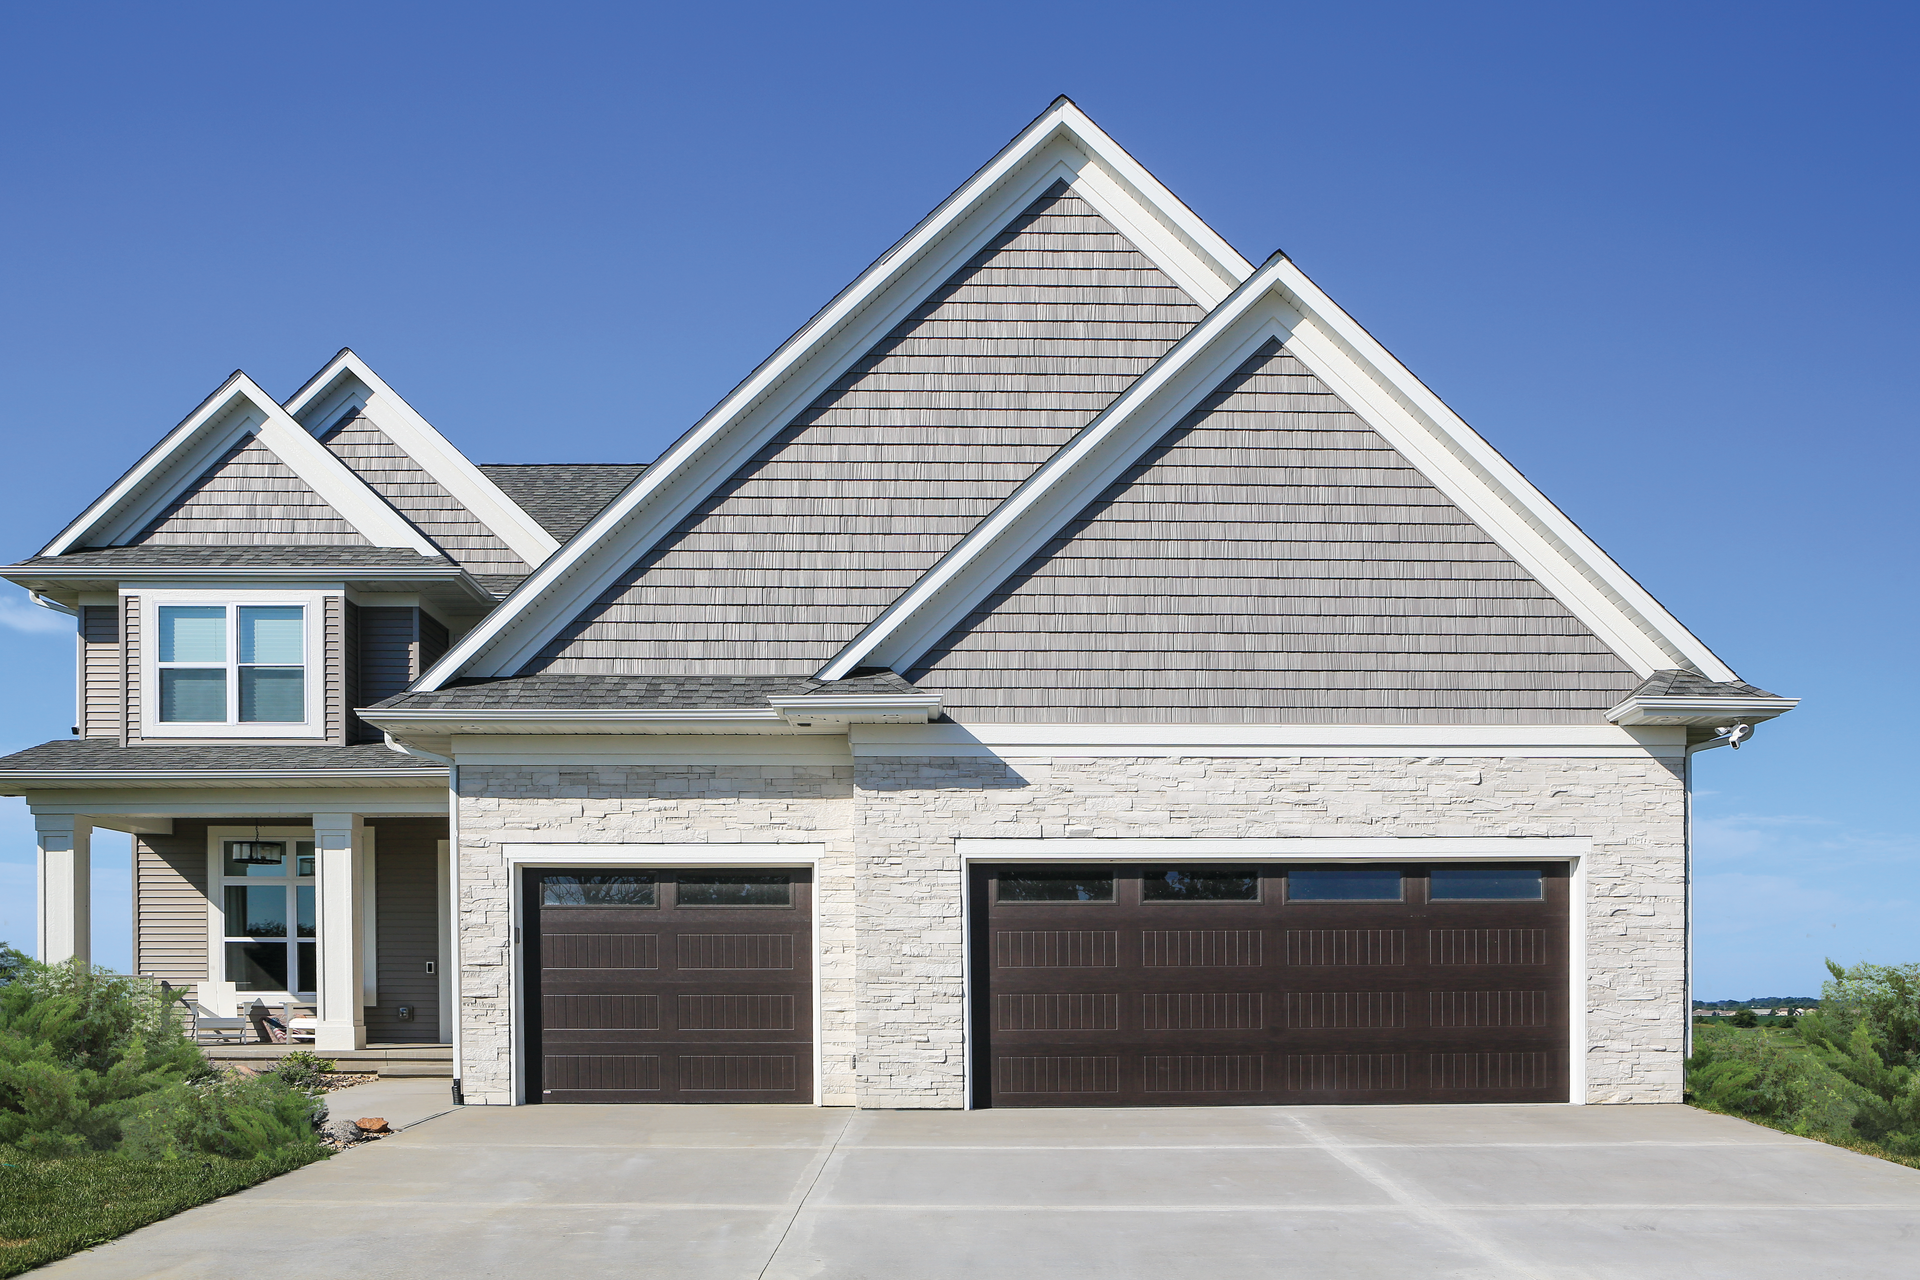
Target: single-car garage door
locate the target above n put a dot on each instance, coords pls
(1186, 985)
(669, 986)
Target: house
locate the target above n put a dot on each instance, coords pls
(1079, 667)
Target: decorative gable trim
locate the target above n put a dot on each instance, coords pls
(1279, 302)
(236, 409)
(347, 383)
(1061, 143)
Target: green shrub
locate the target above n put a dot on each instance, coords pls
(91, 1061)
(302, 1069)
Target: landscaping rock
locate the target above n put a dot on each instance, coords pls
(373, 1124)
(342, 1131)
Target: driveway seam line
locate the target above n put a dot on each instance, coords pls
(806, 1195)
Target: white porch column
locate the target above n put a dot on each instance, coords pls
(339, 841)
(66, 887)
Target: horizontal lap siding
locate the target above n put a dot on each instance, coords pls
(1273, 558)
(170, 903)
(249, 498)
(406, 927)
(393, 474)
(896, 462)
(100, 671)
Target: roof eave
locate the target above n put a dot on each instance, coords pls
(1696, 712)
(22, 781)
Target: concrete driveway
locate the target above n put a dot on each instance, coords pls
(788, 1192)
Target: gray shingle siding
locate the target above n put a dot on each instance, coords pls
(390, 472)
(915, 443)
(244, 556)
(1272, 558)
(249, 496)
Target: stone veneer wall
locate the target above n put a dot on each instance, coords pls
(643, 804)
(892, 1006)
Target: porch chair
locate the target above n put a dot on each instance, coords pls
(299, 1029)
(208, 1023)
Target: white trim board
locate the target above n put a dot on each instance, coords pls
(236, 409)
(1062, 142)
(1280, 848)
(346, 380)
(568, 853)
(1279, 302)
(1039, 741)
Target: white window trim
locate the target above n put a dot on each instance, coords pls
(314, 726)
(219, 992)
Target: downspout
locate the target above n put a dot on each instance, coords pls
(453, 916)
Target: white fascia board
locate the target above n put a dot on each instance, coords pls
(1062, 143)
(1279, 302)
(1450, 741)
(21, 782)
(1709, 712)
(319, 403)
(885, 708)
(239, 407)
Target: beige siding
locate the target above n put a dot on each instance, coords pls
(333, 668)
(911, 446)
(1274, 559)
(100, 673)
(390, 472)
(170, 903)
(407, 927)
(130, 667)
(249, 498)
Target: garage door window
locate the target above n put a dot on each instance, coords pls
(1056, 884)
(1200, 884)
(1344, 884)
(735, 889)
(1485, 882)
(627, 890)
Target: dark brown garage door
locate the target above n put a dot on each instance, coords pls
(1189, 985)
(669, 986)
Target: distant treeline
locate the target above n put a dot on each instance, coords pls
(1761, 1002)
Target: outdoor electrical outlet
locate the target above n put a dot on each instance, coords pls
(404, 1013)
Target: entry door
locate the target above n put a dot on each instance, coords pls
(669, 986)
(1191, 985)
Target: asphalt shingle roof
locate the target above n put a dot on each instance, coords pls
(563, 496)
(634, 693)
(237, 557)
(1691, 684)
(104, 755)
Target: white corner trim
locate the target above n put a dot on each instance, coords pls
(1277, 301)
(1062, 142)
(237, 408)
(1318, 848)
(316, 406)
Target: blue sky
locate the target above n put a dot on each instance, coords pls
(1662, 256)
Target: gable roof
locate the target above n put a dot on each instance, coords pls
(1279, 303)
(413, 466)
(241, 426)
(1062, 144)
(844, 507)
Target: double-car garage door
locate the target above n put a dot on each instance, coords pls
(1092, 985)
(1190, 985)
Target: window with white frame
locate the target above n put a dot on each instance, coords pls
(227, 668)
(267, 900)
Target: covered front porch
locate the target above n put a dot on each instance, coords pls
(337, 904)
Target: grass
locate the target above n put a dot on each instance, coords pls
(51, 1208)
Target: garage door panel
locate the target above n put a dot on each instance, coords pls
(649, 999)
(1119, 999)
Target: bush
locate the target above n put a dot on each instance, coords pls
(1848, 1074)
(91, 1061)
(303, 1070)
